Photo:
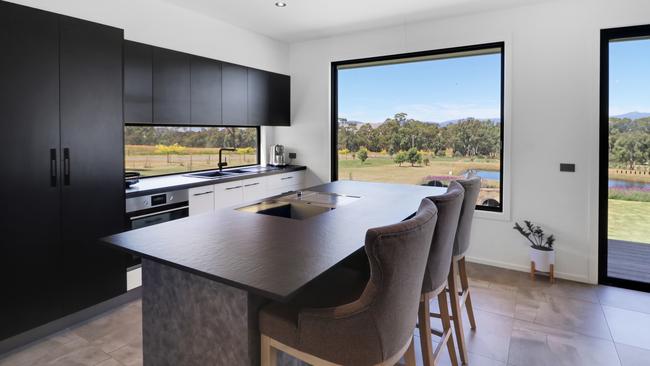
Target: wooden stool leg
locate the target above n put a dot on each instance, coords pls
(532, 270)
(269, 354)
(409, 356)
(446, 326)
(464, 282)
(552, 274)
(456, 312)
(424, 325)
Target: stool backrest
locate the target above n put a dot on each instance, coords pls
(376, 326)
(472, 188)
(442, 244)
(397, 255)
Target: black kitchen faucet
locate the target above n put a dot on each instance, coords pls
(225, 163)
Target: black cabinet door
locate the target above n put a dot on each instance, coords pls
(259, 100)
(205, 91)
(280, 100)
(234, 95)
(171, 87)
(93, 158)
(138, 82)
(30, 249)
(268, 98)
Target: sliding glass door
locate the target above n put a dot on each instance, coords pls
(625, 158)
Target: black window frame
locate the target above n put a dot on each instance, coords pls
(396, 57)
(607, 36)
(258, 148)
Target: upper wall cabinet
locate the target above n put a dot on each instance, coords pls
(205, 91)
(138, 82)
(166, 87)
(268, 98)
(234, 97)
(171, 87)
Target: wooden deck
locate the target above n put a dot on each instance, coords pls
(628, 260)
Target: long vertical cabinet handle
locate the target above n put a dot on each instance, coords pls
(66, 166)
(53, 168)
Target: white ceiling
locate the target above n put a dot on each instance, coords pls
(308, 19)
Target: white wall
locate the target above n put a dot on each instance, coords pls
(161, 24)
(552, 104)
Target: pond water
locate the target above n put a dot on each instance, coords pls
(494, 175)
(626, 184)
(489, 174)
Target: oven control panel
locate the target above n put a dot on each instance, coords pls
(156, 200)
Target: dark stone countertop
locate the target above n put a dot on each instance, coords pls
(271, 256)
(173, 182)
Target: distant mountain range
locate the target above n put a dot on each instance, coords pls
(442, 124)
(633, 115)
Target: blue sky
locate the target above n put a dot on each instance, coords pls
(629, 76)
(449, 89)
(432, 91)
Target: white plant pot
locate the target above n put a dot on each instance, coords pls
(542, 258)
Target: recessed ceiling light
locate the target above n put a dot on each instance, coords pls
(280, 4)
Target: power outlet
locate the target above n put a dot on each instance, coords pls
(567, 167)
(292, 155)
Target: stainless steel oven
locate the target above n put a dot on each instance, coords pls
(157, 208)
(151, 210)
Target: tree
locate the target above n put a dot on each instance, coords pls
(632, 148)
(413, 156)
(362, 154)
(400, 158)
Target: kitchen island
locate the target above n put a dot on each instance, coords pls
(206, 277)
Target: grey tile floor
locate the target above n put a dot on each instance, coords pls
(520, 323)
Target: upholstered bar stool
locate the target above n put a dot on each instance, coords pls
(435, 276)
(324, 325)
(460, 295)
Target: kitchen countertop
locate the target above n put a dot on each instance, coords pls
(173, 182)
(270, 256)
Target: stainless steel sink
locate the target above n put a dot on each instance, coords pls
(290, 210)
(300, 205)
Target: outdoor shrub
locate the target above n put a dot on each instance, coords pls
(641, 194)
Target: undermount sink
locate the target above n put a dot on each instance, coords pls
(210, 174)
(290, 210)
(238, 171)
(227, 173)
(300, 205)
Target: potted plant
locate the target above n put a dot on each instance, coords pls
(542, 254)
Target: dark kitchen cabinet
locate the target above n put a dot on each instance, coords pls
(268, 98)
(280, 91)
(62, 187)
(30, 250)
(171, 87)
(138, 82)
(92, 204)
(205, 91)
(234, 95)
(174, 88)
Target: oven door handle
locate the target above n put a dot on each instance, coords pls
(158, 213)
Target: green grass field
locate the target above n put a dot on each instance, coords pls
(382, 168)
(628, 220)
(148, 162)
